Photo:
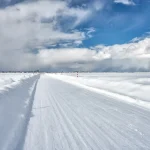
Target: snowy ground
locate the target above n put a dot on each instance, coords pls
(16, 96)
(130, 87)
(63, 112)
(8, 80)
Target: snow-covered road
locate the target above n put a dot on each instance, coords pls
(67, 117)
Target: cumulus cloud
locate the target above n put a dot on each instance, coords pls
(125, 2)
(32, 25)
(127, 57)
(32, 37)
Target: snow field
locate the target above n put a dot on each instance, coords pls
(63, 112)
(69, 117)
(130, 87)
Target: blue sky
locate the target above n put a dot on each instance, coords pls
(118, 23)
(86, 35)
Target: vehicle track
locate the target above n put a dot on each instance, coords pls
(67, 117)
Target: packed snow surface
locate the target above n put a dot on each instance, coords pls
(63, 112)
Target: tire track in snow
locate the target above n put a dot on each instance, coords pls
(83, 127)
(108, 124)
(65, 129)
(87, 126)
(72, 118)
(78, 136)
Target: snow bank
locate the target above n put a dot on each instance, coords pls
(8, 80)
(15, 110)
(131, 87)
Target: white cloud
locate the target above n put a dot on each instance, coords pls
(126, 57)
(34, 24)
(98, 5)
(125, 2)
(27, 28)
